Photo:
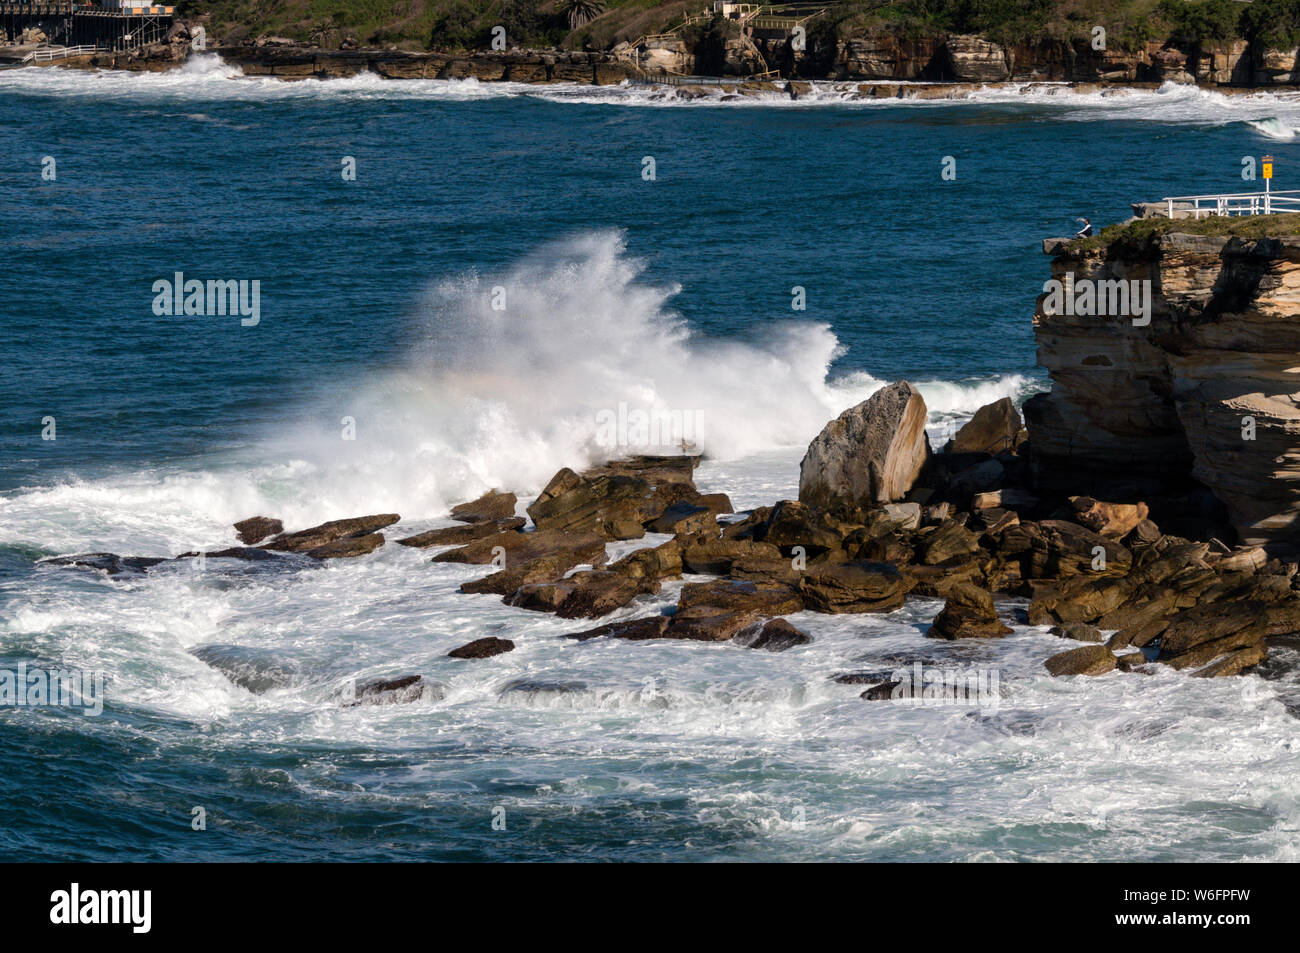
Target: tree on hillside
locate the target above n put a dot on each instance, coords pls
(581, 12)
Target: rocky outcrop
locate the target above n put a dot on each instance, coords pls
(257, 528)
(870, 454)
(968, 614)
(1203, 393)
(482, 648)
(995, 427)
(335, 534)
(492, 505)
(974, 59)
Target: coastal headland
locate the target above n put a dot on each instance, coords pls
(1147, 508)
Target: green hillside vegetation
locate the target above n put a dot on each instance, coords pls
(600, 24)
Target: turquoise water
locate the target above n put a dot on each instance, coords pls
(375, 306)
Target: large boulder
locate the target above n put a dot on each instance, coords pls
(853, 587)
(994, 428)
(968, 614)
(870, 454)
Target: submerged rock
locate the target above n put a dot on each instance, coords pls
(396, 691)
(110, 563)
(774, 635)
(1087, 660)
(483, 648)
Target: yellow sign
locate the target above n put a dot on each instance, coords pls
(1268, 167)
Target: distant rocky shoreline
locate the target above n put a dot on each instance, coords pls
(869, 68)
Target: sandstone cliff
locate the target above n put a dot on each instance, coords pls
(1208, 391)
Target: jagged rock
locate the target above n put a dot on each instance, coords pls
(571, 503)
(853, 587)
(492, 505)
(796, 524)
(348, 547)
(656, 563)
(950, 541)
(257, 528)
(906, 516)
(716, 611)
(684, 518)
(774, 635)
(483, 648)
(635, 630)
(395, 691)
(1078, 631)
(1062, 548)
(584, 595)
(871, 453)
(108, 563)
(968, 614)
(505, 582)
(1234, 663)
(880, 693)
(994, 428)
(977, 60)
(1087, 660)
(1006, 497)
(717, 556)
(317, 537)
(1112, 520)
(1181, 397)
(519, 548)
(459, 535)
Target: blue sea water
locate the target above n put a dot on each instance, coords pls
(674, 292)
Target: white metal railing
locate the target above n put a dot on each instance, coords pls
(58, 53)
(1241, 203)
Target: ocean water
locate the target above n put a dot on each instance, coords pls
(674, 293)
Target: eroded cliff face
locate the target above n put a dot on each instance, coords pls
(1207, 391)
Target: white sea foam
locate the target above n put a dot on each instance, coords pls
(495, 398)
(206, 78)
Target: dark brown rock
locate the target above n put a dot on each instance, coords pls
(774, 635)
(257, 528)
(483, 648)
(968, 614)
(635, 630)
(348, 547)
(853, 587)
(583, 595)
(520, 548)
(992, 430)
(717, 556)
(319, 536)
(492, 505)
(459, 535)
(1087, 660)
